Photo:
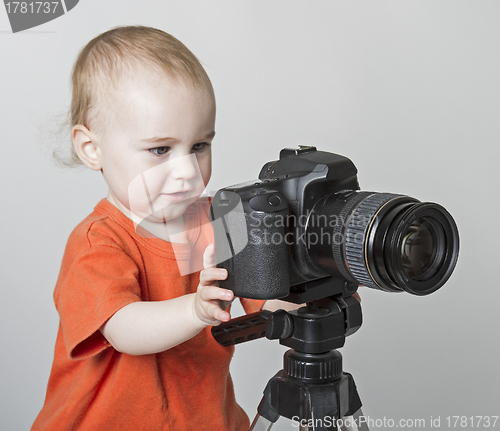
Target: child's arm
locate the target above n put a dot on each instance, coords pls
(145, 327)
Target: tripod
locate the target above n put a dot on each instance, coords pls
(312, 388)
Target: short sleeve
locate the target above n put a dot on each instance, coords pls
(97, 282)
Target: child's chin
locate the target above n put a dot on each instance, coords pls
(172, 210)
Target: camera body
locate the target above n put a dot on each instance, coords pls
(305, 222)
(276, 209)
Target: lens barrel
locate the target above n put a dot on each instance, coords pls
(385, 241)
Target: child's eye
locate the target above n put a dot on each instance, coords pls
(160, 151)
(200, 146)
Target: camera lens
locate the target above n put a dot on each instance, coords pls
(419, 249)
(385, 241)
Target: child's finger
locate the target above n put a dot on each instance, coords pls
(209, 293)
(210, 313)
(223, 316)
(209, 257)
(218, 313)
(208, 275)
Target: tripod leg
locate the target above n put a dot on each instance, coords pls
(353, 423)
(260, 423)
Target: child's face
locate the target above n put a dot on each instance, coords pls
(155, 146)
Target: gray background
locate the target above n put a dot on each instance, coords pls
(409, 90)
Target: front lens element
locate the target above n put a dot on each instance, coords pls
(421, 249)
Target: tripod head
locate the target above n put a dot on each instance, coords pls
(312, 383)
(318, 327)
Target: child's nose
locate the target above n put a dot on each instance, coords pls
(185, 168)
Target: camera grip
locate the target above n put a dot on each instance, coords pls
(250, 243)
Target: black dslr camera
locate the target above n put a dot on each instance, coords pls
(304, 231)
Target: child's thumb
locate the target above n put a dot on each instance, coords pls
(209, 257)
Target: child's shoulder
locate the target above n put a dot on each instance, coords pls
(104, 226)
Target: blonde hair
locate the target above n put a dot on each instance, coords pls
(104, 60)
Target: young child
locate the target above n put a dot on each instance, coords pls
(134, 349)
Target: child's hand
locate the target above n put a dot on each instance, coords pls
(208, 298)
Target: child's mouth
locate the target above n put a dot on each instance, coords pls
(177, 196)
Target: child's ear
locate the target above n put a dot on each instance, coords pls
(86, 147)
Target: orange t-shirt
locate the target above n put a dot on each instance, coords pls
(107, 265)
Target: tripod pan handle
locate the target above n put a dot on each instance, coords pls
(241, 329)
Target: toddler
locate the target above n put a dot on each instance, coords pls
(134, 349)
